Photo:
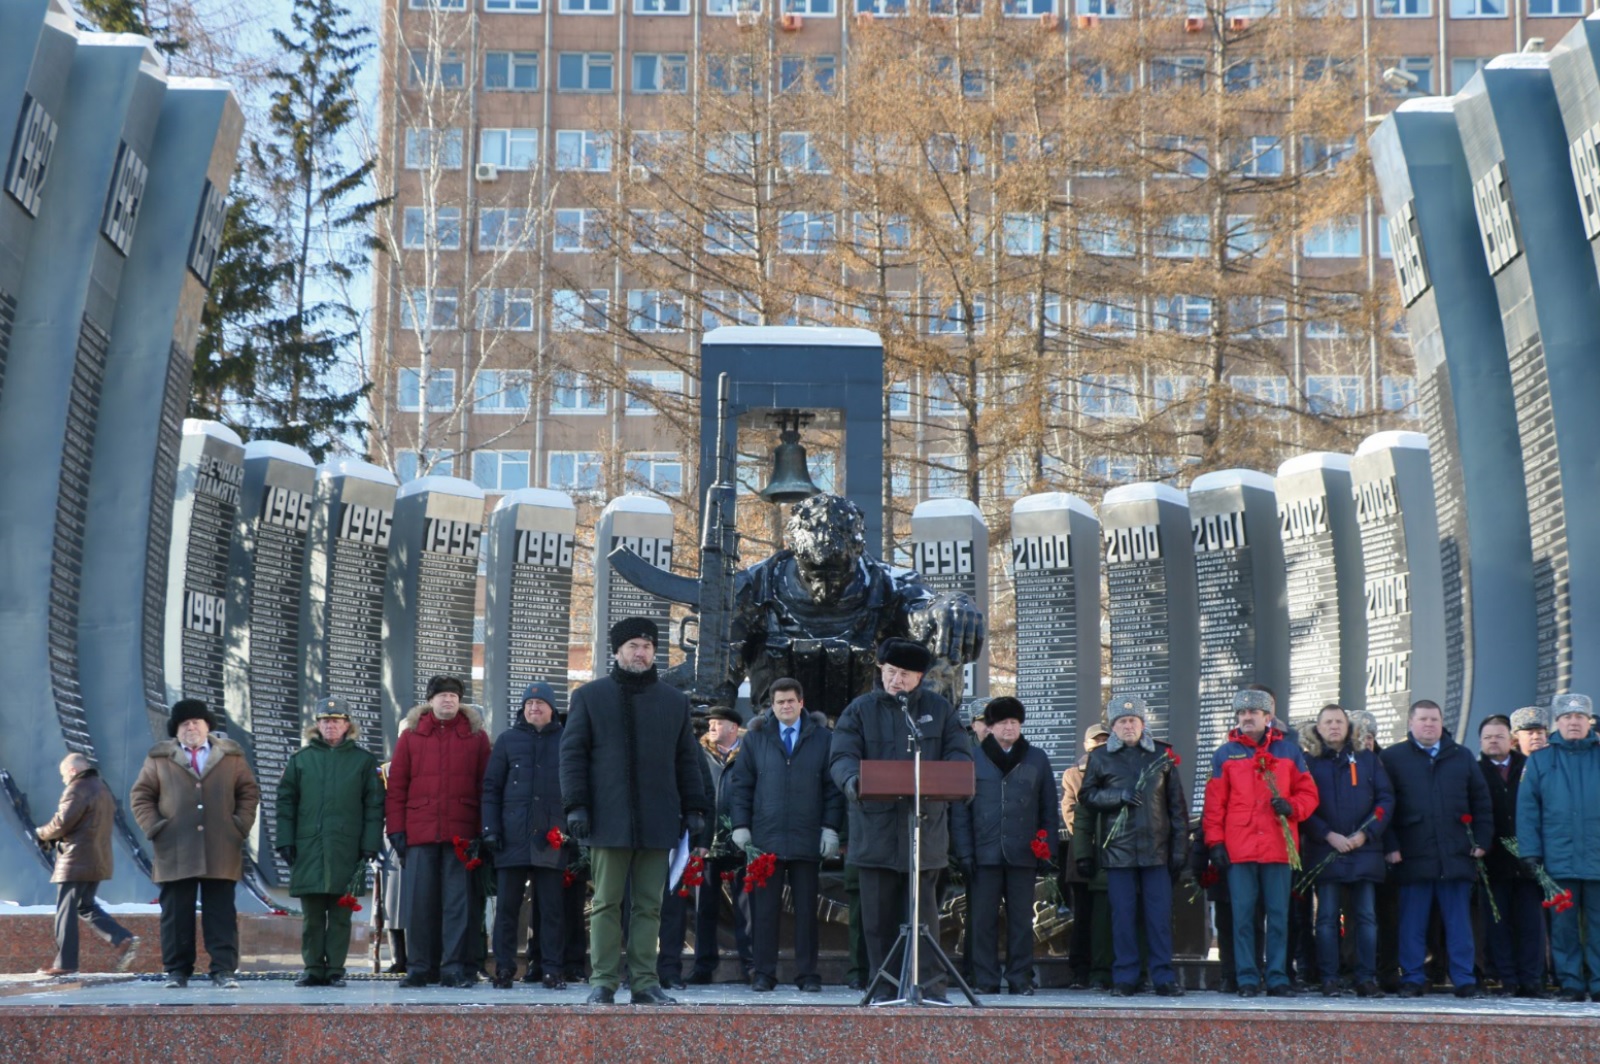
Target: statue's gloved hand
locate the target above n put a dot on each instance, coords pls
(951, 626)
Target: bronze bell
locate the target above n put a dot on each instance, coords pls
(791, 480)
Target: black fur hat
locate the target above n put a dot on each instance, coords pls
(189, 709)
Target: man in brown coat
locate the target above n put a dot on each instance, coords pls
(81, 833)
(195, 800)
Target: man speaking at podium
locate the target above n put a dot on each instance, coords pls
(873, 727)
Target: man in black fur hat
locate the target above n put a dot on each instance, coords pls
(631, 786)
(874, 727)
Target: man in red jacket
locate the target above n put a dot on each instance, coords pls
(1258, 793)
(435, 791)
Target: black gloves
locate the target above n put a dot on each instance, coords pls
(288, 853)
(1131, 799)
(1177, 864)
(969, 870)
(398, 842)
(1085, 867)
(492, 843)
(578, 824)
(1282, 807)
(1530, 865)
(694, 824)
(1219, 858)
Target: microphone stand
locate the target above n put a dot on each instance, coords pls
(914, 934)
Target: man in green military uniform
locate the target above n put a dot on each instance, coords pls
(330, 821)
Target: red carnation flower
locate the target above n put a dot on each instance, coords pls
(347, 901)
(1176, 760)
(1377, 813)
(568, 877)
(1466, 818)
(1210, 877)
(554, 838)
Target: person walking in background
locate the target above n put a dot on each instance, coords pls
(80, 833)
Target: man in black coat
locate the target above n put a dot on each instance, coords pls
(1013, 808)
(1444, 822)
(521, 805)
(1515, 941)
(630, 784)
(782, 801)
(874, 728)
(1142, 856)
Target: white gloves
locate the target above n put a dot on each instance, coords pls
(741, 837)
(830, 844)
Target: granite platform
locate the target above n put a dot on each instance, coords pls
(125, 1018)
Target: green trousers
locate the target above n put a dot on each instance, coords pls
(325, 935)
(613, 870)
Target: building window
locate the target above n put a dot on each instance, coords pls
(1477, 8)
(509, 149)
(427, 149)
(502, 391)
(733, 7)
(800, 153)
(1399, 395)
(1107, 396)
(899, 399)
(505, 308)
(947, 476)
(660, 7)
(727, 308)
(951, 319)
(944, 153)
(445, 234)
(587, 7)
(1104, 8)
(1328, 315)
(1180, 157)
(1403, 8)
(435, 306)
(798, 73)
(576, 393)
(1109, 317)
(658, 473)
(1189, 315)
(731, 232)
(500, 471)
(1025, 234)
(504, 229)
(643, 384)
(1336, 396)
(658, 231)
(805, 232)
(1183, 236)
(579, 230)
(1183, 395)
(890, 232)
(1246, 237)
(576, 471)
(1172, 73)
(654, 149)
(438, 5)
(519, 7)
(511, 71)
(655, 310)
(1258, 318)
(1463, 69)
(1265, 396)
(408, 465)
(585, 72)
(1027, 8)
(810, 310)
(578, 310)
(1564, 8)
(660, 72)
(1259, 157)
(731, 153)
(584, 150)
(1419, 67)
(444, 68)
(823, 8)
(1319, 155)
(732, 75)
(1101, 234)
(1112, 469)
(441, 390)
(1339, 239)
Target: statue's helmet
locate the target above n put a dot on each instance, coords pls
(824, 527)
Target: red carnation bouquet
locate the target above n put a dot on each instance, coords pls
(1556, 899)
(1208, 879)
(358, 885)
(758, 869)
(1264, 762)
(1041, 845)
(554, 839)
(1303, 886)
(1167, 761)
(694, 875)
(464, 853)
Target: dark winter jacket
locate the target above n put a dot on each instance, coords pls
(1431, 795)
(720, 765)
(1071, 785)
(629, 757)
(330, 809)
(197, 825)
(1238, 806)
(522, 795)
(436, 777)
(785, 800)
(1158, 829)
(1351, 783)
(81, 830)
(872, 728)
(1503, 796)
(1558, 807)
(1014, 801)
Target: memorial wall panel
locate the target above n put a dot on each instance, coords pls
(644, 525)
(529, 547)
(950, 548)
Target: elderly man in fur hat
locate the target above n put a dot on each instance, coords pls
(1142, 855)
(997, 839)
(631, 784)
(330, 823)
(435, 797)
(874, 727)
(195, 799)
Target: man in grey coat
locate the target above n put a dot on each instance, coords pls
(873, 727)
(631, 786)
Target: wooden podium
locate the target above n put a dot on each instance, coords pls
(942, 781)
